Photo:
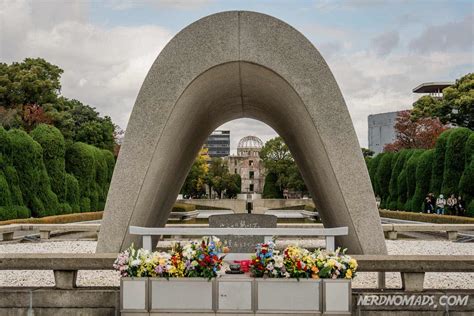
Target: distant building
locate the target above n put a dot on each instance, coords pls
(248, 165)
(218, 144)
(382, 125)
(434, 89)
(381, 130)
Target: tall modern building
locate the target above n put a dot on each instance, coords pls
(381, 130)
(218, 144)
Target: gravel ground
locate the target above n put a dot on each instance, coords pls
(363, 280)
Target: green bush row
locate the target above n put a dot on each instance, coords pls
(403, 179)
(41, 176)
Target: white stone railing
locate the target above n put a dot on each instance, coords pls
(268, 233)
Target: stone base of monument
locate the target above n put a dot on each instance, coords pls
(181, 295)
(134, 295)
(337, 295)
(235, 294)
(288, 295)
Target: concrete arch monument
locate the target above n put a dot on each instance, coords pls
(227, 66)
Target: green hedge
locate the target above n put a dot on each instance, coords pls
(423, 176)
(33, 177)
(27, 158)
(383, 174)
(403, 179)
(411, 178)
(398, 163)
(54, 149)
(466, 184)
(429, 218)
(183, 207)
(438, 163)
(454, 163)
(373, 165)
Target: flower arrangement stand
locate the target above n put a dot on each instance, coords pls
(337, 295)
(134, 295)
(234, 294)
(181, 295)
(288, 296)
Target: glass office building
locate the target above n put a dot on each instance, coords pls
(218, 144)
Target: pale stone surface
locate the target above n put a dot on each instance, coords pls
(452, 280)
(240, 64)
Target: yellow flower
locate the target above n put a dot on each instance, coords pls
(353, 264)
(349, 274)
(331, 263)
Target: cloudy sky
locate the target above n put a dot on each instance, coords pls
(377, 50)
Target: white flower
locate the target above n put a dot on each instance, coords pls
(136, 262)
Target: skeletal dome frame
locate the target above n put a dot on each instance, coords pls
(227, 66)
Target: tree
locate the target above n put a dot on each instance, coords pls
(30, 95)
(33, 81)
(368, 154)
(194, 185)
(221, 181)
(455, 107)
(270, 189)
(278, 161)
(417, 134)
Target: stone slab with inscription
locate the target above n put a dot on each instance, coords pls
(242, 244)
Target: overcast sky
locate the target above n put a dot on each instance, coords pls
(377, 50)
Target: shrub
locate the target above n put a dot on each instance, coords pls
(402, 189)
(411, 178)
(54, 149)
(7, 212)
(80, 163)
(5, 195)
(382, 177)
(429, 218)
(72, 193)
(373, 165)
(470, 209)
(85, 205)
(466, 184)
(398, 162)
(438, 162)
(22, 211)
(454, 162)
(27, 158)
(423, 176)
(64, 208)
(14, 183)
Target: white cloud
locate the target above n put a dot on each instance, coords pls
(452, 36)
(159, 4)
(384, 43)
(103, 67)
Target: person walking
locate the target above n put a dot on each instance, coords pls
(440, 204)
(451, 203)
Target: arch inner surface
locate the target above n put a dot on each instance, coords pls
(236, 67)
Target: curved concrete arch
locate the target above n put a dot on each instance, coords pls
(227, 66)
